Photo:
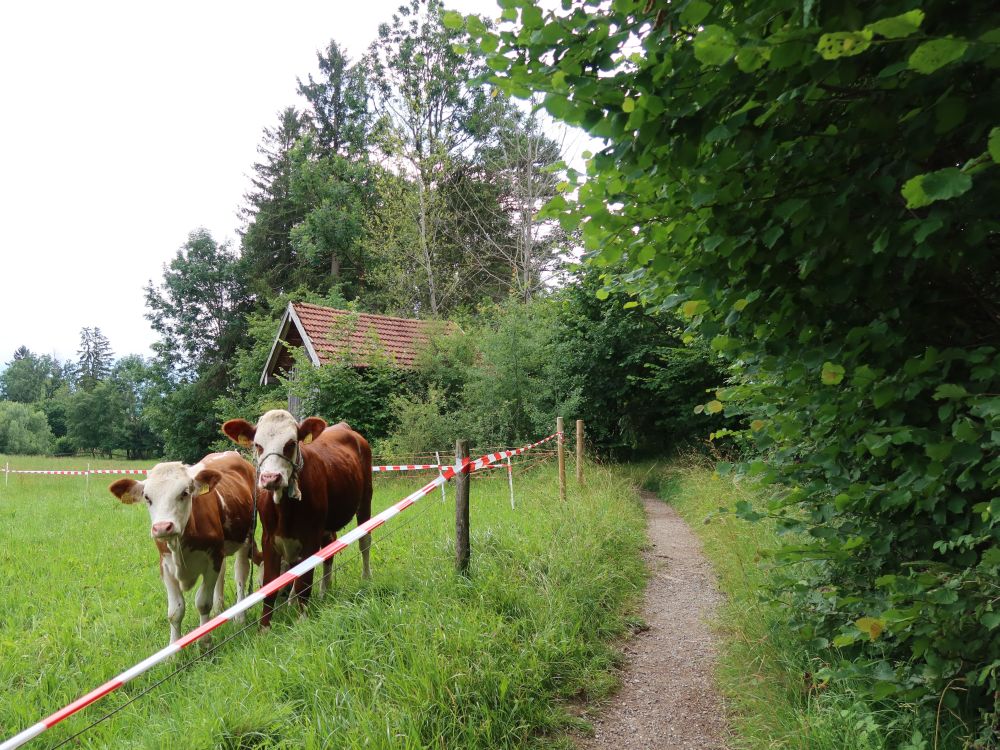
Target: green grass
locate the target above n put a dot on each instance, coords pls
(763, 673)
(418, 657)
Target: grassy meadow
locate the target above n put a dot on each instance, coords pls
(418, 657)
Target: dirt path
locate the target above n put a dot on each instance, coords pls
(667, 699)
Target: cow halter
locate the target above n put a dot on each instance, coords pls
(292, 489)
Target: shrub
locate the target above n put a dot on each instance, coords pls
(23, 429)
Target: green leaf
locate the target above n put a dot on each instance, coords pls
(531, 17)
(695, 12)
(713, 406)
(939, 451)
(831, 374)
(752, 57)
(897, 27)
(913, 191)
(950, 390)
(946, 183)
(843, 44)
(937, 53)
(694, 307)
(993, 145)
(990, 619)
(844, 639)
(628, 105)
(475, 26)
(452, 20)
(870, 626)
(714, 45)
(943, 184)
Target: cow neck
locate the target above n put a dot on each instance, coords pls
(191, 529)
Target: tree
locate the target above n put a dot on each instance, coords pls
(327, 242)
(270, 212)
(513, 176)
(428, 118)
(29, 378)
(338, 113)
(813, 187)
(95, 418)
(638, 382)
(198, 308)
(138, 383)
(23, 429)
(94, 358)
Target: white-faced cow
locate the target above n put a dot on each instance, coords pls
(312, 480)
(199, 514)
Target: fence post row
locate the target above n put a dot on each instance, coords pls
(579, 452)
(462, 480)
(562, 458)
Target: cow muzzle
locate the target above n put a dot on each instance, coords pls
(162, 529)
(270, 480)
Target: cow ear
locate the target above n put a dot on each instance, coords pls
(205, 481)
(311, 428)
(126, 490)
(240, 431)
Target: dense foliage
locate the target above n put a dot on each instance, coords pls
(94, 404)
(813, 187)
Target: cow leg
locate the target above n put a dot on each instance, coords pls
(218, 600)
(302, 587)
(175, 598)
(363, 515)
(365, 544)
(203, 599)
(241, 571)
(272, 566)
(324, 581)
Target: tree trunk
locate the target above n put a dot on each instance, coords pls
(423, 244)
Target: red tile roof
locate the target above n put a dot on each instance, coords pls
(333, 333)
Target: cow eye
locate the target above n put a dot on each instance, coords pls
(258, 448)
(289, 447)
(148, 501)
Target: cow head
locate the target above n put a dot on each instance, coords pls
(168, 492)
(275, 442)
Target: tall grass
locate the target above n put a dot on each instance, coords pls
(418, 657)
(765, 675)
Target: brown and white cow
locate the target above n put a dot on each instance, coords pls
(312, 480)
(199, 515)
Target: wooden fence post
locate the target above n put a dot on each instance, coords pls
(462, 508)
(561, 442)
(579, 451)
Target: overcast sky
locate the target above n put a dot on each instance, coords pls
(126, 125)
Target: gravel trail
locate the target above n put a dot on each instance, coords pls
(667, 698)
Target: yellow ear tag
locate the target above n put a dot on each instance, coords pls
(205, 489)
(308, 439)
(244, 441)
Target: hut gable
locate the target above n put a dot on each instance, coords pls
(329, 334)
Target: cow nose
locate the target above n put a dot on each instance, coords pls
(163, 528)
(269, 480)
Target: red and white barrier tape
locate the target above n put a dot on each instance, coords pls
(84, 472)
(258, 596)
(405, 467)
